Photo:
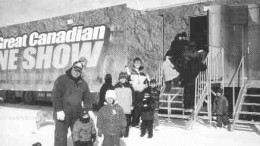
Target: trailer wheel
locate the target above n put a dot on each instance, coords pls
(28, 98)
(10, 96)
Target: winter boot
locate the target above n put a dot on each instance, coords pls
(150, 131)
(143, 131)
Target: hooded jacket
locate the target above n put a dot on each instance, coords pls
(68, 93)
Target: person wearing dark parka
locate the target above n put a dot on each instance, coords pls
(68, 93)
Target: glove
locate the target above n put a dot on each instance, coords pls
(93, 137)
(60, 115)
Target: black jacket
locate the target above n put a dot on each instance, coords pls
(68, 93)
(106, 86)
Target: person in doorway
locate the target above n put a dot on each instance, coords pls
(111, 120)
(106, 86)
(84, 132)
(124, 95)
(68, 93)
(220, 109)
(139, 81)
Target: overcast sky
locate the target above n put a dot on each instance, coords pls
(18, 11)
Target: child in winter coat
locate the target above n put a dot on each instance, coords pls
(155, 93)
(147, 115)
(84, 132)
(111, 121)
(139, 82)
(220, 108)
(106, 86)
(124, 98)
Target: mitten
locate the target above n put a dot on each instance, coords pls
(60, 115)
(93, 137)
(123, 131)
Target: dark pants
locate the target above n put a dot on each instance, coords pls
(83, 143)
(111, 140)
(128, 123)
(61, 130)
(136, 113)
(222, 118)
(174, 82)
(189, 92)
(147, 125)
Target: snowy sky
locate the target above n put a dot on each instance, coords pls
(18, 11)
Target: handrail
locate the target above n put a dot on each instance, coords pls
(241, 67)
(238, 67)
(214, 73)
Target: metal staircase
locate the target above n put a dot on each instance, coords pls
(172, 102)
(247, 108)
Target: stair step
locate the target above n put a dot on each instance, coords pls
(170, 94)
(171, 101)
(176, 116)
(254, 104)
(177, 109)
(252, 95)
(249, 113)
(247, 122)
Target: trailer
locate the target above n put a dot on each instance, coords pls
(34, 54)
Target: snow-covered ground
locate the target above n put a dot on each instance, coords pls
(18, 128)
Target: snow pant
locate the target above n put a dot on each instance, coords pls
(222, 118)
(188, 96)
(111, 140)
(83, 143)
(128, 123)
(147, 125)
(61, 130)
(156, 118)
(136, 113)
(174, 82)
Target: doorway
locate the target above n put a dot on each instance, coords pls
(199, 32)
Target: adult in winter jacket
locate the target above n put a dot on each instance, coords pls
(106, 86)
(68, 93)
(220, 108)
(147, 115)
(84, 132)
(124, 96)
(139, 81)
(111, 120)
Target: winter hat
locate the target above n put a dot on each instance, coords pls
(108, 77)
(220, 91)
(137, 59)
(83, 59)
(122, 75)
(78, 66)
(111, 94)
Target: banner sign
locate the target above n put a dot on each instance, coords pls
(37, 55)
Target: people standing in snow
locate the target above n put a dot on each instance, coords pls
(147, 115)
(68, 92)
(111, 120)
(220, 109)
(125, 98)
(106, 86)
(139, 81)
(84, 132)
